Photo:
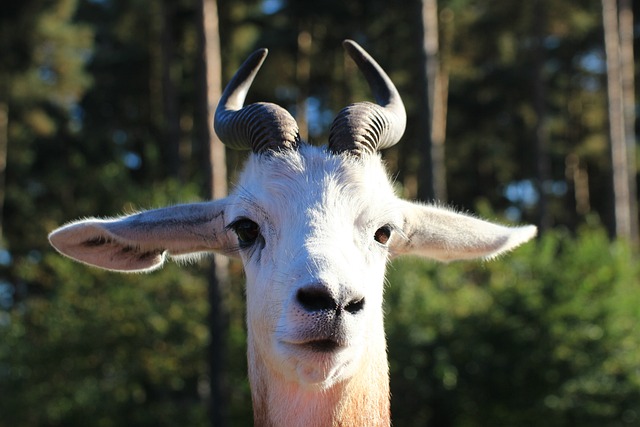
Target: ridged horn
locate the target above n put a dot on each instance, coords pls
(365, 126)
(261, 126)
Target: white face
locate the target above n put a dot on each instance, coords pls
(312, 229)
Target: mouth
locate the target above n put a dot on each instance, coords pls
(323, 346)
(320, 340)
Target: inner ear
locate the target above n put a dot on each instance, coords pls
(91, 243)
(141, 242)
(445, 235)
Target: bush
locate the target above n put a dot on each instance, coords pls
(544, 336)
(103, 349)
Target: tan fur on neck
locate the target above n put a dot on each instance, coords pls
(362, 400)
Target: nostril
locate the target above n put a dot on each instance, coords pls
(355, 306)
(316, 299)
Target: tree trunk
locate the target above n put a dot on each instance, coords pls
(438, 104)
(629, 109)
(432, 174)
(541, 132)
(4, 144)
(303, 74)
(211, 82)
(171, 126)
(217, 156)
(577, 176)
(619, 151)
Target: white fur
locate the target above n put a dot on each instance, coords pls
(318, 215)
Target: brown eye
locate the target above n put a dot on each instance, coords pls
(382, 235)
(247, 231)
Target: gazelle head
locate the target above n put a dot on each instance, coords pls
(314, 227)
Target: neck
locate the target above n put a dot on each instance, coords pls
(362, 400)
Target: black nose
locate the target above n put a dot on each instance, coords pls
(316, 298)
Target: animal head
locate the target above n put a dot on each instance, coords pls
(314, 227)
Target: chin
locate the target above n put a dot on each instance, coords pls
(320, 365)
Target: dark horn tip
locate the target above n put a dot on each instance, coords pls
(260, 53)
(351, 45)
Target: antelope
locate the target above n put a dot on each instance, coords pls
(314, 227)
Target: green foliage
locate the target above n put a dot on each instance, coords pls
(113, 349)
(546, 333)
(40, 85)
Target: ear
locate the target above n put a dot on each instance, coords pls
(140, 242)
(444, 235)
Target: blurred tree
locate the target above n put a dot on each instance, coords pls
(210, 88)
(540, 126)
(41, 82)
(542, 337)
(618, 36)
(171, 131)
(497, 111)
(4, 144)
(627, 75)
(103, 349)
(432, 185)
